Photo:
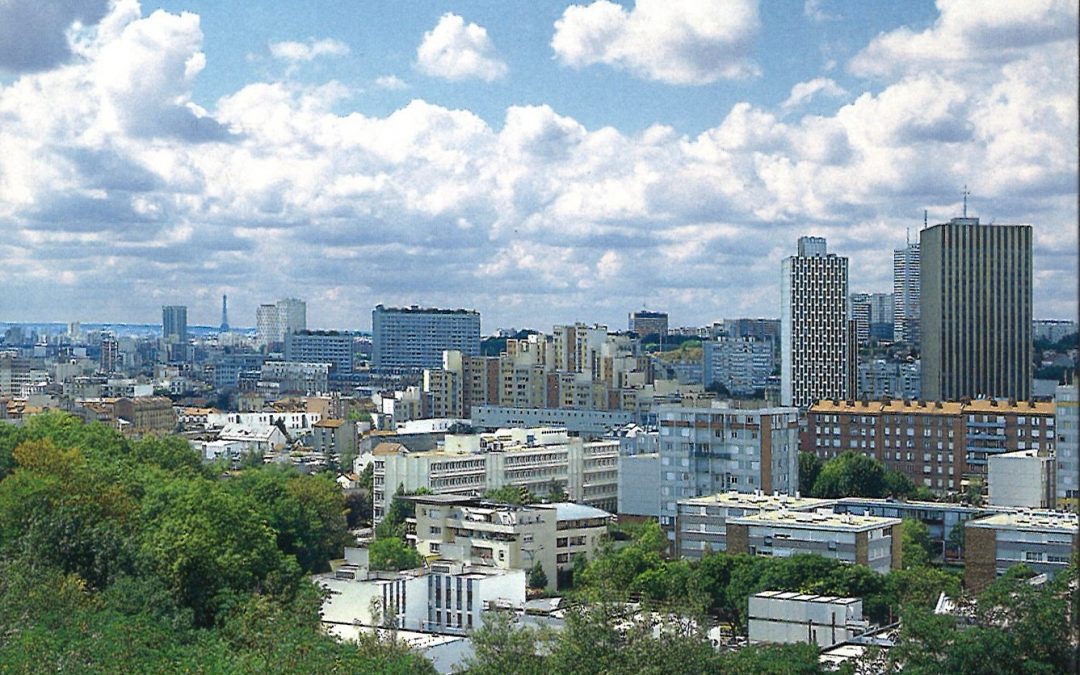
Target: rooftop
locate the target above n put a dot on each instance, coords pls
(816, 520)
(922, 407)
(571, 511)
(416, 309)
(807, 597)
(1056, 521)
(756, 500)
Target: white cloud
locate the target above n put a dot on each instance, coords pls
(33, 34)
(308, 51)
(454, 50)
(804, 91)
(670, 41)
(969, 33)
(534, 220)
(391, 83)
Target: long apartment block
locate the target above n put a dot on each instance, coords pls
(935, 443)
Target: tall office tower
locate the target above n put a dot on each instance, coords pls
(274, 322)
(814, 327)
(646, 323)
(224, 314)
(109, 362)
(174, 324)
(415, 337)
(906, 294)
(976, 310)
(859, 311)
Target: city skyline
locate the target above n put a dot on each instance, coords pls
(511, 162)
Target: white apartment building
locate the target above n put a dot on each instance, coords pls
(701, 522)
(443, 597)
(865, 540)
(704, 451)
(787, 617)
(535, 459)
(906, 289)
(507, 536)
(1067, 423)
(1024, 478)
(274, 322)
(815, 353)
(292, 421)
(1042, 540)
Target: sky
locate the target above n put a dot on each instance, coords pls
(541, 162)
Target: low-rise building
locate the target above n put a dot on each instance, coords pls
(787, 617)
(334, 436)
(508, 536)
(1024, 478)
(701, 522)
(863, 540)
(1042, 540)
(254, 439)
(443, 597)
(145, 415)
(586, 422)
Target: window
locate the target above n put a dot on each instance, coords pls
(561, 542)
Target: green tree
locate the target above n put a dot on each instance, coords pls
(809, 468)
(500, 647)
(897, 484)
(537, 577)
(850, 475)
(391, 553)
(916, 549)
(511, 494)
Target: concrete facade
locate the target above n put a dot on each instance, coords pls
(1042, 540)
(1022, 479)
(976, 310)
(1067, 447)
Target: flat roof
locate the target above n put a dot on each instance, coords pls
(572, 511)
(815, 520)
(925, 407)
(806, 597)
(1056, 521)
(758, 501)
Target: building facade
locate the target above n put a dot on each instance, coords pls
(1024, 478)
(1067, 448)
(862, 540)
(976, 310)
(906, 294)
(704, 451)
(701, 522)
(934, 443)
(539, 460)
(815, 351)
(174, 324)
(414, 337)
(646, 323)
(1042, 540)
(509, 536)
(331, 347)
(742, 365)
(274, 322)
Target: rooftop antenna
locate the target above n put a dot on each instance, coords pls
(966, 193)
(925, 217)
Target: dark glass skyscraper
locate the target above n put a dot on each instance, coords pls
(976, 310)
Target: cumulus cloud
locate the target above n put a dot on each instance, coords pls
(670, 41)
(534, 219)
(34, 34)
(455, 50)
(804, 91)
(813, 10)
(969, 33)
(308, 51)
(391, 83)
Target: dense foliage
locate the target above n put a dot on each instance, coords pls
(854, 474)
(118, 553)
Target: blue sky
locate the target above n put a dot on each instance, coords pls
(541, 162)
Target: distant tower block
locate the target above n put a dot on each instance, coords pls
(224, 313)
